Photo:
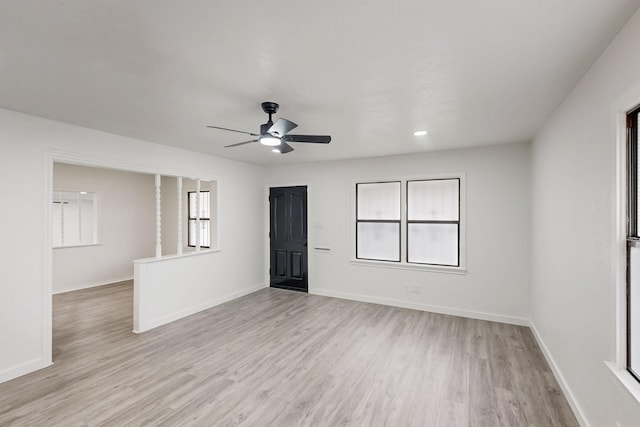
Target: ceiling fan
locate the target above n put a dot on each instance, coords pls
(276, 134)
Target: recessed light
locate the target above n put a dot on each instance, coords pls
(420, 133)
(83, 192)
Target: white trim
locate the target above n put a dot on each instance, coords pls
(627, 381)
(564, 385)
(512, 320)
(408, 266)
(143, 326)
(166, 257)
(79, 159)
(77, 246)
(23, 369)
(158, 213)
(92, 285)
(619, 251)
(179, 214)
(46, 357)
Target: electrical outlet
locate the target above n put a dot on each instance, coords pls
(416, 289)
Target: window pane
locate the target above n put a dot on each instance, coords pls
(204, 204)
(634, 310)
(87, 235)
(380, 241)
(192, 205)
(56, 220)
(433, 244)
(71, 223)
(379, 201)
(433, 200)
(192, 232)
(73, 219)
(204, 233)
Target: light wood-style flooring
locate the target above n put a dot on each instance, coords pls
(280, 358)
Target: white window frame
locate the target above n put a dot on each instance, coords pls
(618, 367)
(403, 264)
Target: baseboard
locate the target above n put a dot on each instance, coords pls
(568, 394)
(150, 324)
(24, 369)
(92, 285)
(512, 320)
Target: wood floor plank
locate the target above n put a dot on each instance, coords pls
(283, 358)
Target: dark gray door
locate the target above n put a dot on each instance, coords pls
(288, 237)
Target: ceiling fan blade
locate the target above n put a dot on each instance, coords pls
(284, 148)
(233, 130)
(316, 139)
(241, 143)
(281, 127)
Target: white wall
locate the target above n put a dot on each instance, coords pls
(157, 299)
(574, 227)
(26, 142)
(126, 226)
(497, 283)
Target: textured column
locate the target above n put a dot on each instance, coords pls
(79, 197)
(61, 196)
(198, 214)
(158, 219)
(179, 244)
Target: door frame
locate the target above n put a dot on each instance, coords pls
(52, 156)
(267, 228)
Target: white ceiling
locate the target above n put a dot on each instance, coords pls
(367, 72)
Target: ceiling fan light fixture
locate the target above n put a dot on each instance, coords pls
(269, 140)
(276, 134)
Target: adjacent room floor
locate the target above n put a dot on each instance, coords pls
(280, 358)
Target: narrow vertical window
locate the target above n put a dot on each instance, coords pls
(633, 248)
(378, 221)
(205, 219)
(433, 222)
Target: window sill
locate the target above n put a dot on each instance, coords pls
(628, 382)
(77, 246)
(405, 266)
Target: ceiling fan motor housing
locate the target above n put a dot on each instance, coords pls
(270, 107)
